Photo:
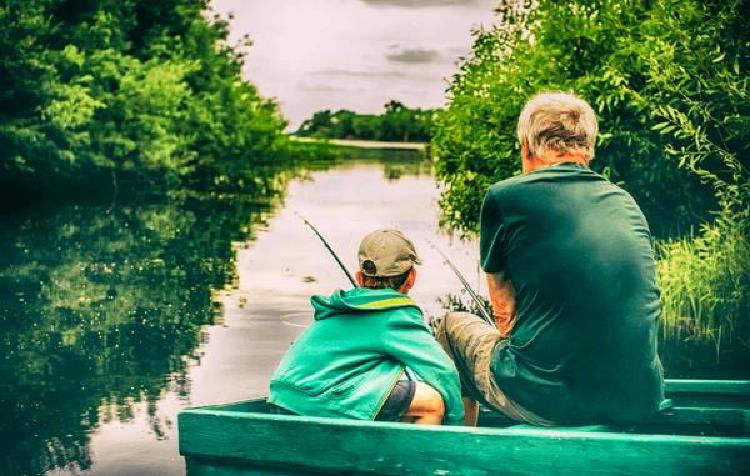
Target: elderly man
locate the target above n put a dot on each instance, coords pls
(571, 279)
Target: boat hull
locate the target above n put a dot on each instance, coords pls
(244, 439)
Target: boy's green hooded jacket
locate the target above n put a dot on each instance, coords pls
(348, 361)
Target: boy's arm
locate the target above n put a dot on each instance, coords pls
(409, 341)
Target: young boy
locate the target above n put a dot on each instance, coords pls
(369, 354)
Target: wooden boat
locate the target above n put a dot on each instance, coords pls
(707, 431)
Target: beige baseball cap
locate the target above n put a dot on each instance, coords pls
(386, 253)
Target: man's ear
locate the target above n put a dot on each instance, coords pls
(525, 156)
(410, 280)
(360, 278)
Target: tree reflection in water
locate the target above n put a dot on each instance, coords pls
(101, 309)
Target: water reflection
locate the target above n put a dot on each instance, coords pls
(106, 315)
(99, 308)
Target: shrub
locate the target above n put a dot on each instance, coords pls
(659, 73)
(669, 80)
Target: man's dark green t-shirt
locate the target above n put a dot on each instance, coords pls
(577, 250)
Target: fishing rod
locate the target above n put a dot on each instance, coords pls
(330, 250)
(480, 303)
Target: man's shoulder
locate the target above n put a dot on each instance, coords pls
(520, 182)
(532, 182)
(502, 192)
(505, 185)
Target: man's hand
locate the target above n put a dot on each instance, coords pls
(503, 299)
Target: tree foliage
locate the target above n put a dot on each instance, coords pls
(668, 79)
(103, 308)
(145, 90)
(397, 123)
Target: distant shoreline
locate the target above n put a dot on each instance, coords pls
(364, 144)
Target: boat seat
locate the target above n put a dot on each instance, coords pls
(490, 417)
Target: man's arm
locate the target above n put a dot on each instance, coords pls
(503, 299)
(492, 241)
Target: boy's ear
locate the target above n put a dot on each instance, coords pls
(359, 277)
(410, 280)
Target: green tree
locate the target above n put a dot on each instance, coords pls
(318, 124)
(669, 80)
(147, 92)
(613, 54)
(397, 123)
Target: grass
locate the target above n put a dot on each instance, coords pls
(705, 284)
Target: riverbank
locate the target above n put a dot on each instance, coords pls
(364, 144)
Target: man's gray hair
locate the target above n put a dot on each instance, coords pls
(557, 121)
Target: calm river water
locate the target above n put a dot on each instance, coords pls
(116, 317)
(113, 318)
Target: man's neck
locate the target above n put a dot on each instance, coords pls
(555, 158)
(550, 159)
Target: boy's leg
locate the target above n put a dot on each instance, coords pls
(427, 406)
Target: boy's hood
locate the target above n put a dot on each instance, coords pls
(359, 300)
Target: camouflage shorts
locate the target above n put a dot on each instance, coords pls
(471, 343)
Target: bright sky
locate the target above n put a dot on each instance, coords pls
(354, 54)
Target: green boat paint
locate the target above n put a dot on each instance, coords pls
(242, 438)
